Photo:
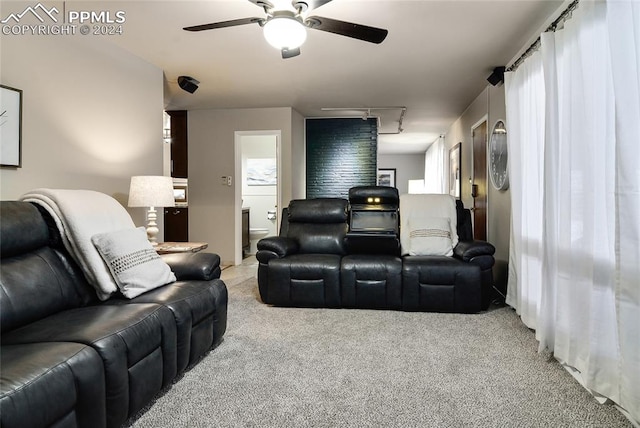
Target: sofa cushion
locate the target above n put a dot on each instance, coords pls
(311, 280)
(134, 264)
(429, 236)
(51, 384)
(319, 238)
(320, 210)
(33, 286)
(371, 281)
(35, 280)
(136, 342)
(200, 312)
(439, 283)
(17, 217)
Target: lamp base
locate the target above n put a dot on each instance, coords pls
(152, 226)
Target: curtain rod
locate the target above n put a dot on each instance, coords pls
(565, 15)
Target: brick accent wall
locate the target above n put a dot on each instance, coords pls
(340, 154)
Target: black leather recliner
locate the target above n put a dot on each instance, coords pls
(292, 272)
(69, 359)
(301, 267)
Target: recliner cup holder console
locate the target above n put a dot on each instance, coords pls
(373, 220)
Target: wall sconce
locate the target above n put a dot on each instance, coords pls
(151, 191)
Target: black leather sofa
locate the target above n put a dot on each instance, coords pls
(320, 260)
(70, 360)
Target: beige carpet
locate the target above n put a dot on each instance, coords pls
(292, 367)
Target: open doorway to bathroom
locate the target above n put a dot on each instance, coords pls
(257, 192)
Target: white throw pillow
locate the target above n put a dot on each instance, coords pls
(132, 260)
(430, 236)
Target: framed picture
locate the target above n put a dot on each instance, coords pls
(386, 177)
(10, 126)
(455, 175)
(262, 172)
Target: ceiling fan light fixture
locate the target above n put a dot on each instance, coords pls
(284, 30)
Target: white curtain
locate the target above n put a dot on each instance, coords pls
(434, 172)
(525, 124)
(575, 272)
(623, 22)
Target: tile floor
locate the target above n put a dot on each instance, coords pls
(236, 274)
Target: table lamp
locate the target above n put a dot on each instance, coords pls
(151, 191)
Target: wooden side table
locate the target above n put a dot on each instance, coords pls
(180, 247)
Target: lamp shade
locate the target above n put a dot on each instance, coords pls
(285, 31)
(151, 191)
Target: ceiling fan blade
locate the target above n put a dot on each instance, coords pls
(266, 5)
(308, 5)
(290, 53)
(349, 29)
(224, 24)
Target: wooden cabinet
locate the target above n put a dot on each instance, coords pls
(179, 144)
(176, 224)
(176, 220)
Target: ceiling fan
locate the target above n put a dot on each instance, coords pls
(286, 29)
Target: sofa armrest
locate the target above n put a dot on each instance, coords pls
(198, 266)
(468, 250)
(280, 246)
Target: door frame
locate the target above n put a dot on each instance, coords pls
(238, 185)
(484, 118)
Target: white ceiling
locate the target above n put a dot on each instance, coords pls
(434, 61)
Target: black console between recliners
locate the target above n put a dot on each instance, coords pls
(374, 226)
(346, 253)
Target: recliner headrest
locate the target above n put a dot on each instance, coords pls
(22, 228)
(320, 210)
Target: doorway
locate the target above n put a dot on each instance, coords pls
(479, 138)
(257, 190)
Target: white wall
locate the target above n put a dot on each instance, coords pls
(212, 209)
(298, 157)
(92, 115)
(408, 167)
(490, 103)
(498, 202)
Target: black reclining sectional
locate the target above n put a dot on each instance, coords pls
(70, 360)
(347, 253)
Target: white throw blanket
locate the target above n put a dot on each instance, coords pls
(80, 214)
(426, 205)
